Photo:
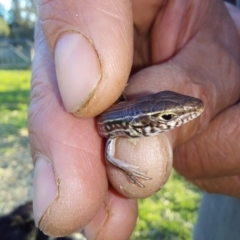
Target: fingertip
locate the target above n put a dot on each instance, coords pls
(118, 214)
(152, 157)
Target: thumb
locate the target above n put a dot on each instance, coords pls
(91, 43)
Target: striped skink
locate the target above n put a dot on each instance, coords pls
(146, 116)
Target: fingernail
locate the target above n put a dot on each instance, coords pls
(78, 70)
(44, 187)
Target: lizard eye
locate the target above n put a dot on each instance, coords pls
(167, 116)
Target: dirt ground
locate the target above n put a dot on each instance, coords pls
(16, 172)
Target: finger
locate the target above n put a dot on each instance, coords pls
(142, 27)
(177, 23)
(214, 153)
(117, 214)
(152, 157)
(70, 182)
(228, 185)
(143, 22)
(92, 46)
(171, 24)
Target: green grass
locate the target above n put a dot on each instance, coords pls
(15, 80)
(169, 214)
(14, 99)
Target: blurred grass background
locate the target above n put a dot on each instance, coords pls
(15, 161)
(14, 98)
(169, 214)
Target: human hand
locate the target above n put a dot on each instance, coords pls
(92, 69)
(210, 160)
(70, 183)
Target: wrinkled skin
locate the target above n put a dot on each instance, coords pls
(83, 58)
